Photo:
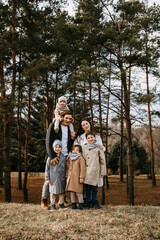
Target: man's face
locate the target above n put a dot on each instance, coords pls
(67, 119)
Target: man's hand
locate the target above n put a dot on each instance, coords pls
(48, 181)
(54, 161)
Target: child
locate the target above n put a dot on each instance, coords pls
(75, 176)
(55, 176)
(61, 106)
(95, 168)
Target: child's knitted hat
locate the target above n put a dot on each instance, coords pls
(57, 142)
(62, 98)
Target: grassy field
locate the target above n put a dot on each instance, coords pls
(29, 221)
(117, 220)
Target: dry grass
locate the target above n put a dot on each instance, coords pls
(29, 221)
(116, 220)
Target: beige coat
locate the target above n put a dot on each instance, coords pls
(95, 164)
(75, 171)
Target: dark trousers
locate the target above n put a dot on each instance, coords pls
(91, 191)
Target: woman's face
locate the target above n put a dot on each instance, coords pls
(86, 126)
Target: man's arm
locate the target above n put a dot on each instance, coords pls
(50, 137)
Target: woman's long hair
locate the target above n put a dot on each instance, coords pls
(80, 129)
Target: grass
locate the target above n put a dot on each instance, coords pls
(29, 221)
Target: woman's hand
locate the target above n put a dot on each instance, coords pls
(100, 147)
(101, 176)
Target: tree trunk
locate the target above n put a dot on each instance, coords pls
(84, 100)
(74, 103)
(100, 109)
(107, 125)
(55, 93)
(25, 191)
(150, 132)
(47, 103)
(1, 146)
(6, 135)
(121, 143)
(129, 140)
(19, 132)
(90, 103)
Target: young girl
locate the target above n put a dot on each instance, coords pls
(61, 106)
(55, 176)
(95, 168)
(75, 176)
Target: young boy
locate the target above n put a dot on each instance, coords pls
(61, 106)
(95, 168)
(55, 176)
(75, 176)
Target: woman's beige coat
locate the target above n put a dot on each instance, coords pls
(76, 170)
(95, 164)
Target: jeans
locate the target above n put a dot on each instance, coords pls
(91, 190)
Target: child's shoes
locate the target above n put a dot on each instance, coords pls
(80, 206)
(88, 205)
(74, 206)
(62, 206)
(96, 205)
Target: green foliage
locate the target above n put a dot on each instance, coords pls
(140, 158)
(70, 54)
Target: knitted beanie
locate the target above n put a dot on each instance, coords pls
(57, 142)
(63, 98)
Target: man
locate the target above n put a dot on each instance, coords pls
(67, 140)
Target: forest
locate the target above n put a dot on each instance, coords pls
(98, 58)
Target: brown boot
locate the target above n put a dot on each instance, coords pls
(44, 204)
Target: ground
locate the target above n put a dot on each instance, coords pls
(144, 193)
(116, 220)
(30, 222)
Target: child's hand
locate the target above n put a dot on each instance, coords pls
(100, 147)
(81, 180)
(48, 181)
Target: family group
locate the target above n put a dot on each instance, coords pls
(75, 163)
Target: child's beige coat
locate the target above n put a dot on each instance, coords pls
(95, 164)
(75, 171)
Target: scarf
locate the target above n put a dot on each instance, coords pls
(74, 156)
(93, 145)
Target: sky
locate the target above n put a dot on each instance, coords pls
(70, 7)
(153, 82)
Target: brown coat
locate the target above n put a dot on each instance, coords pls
(75, 171)
(95, 164)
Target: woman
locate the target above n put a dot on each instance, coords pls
(85, 127)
